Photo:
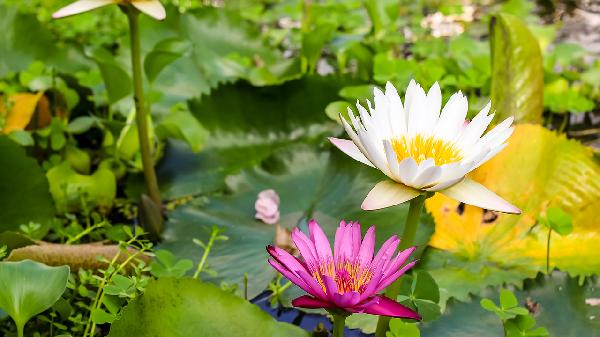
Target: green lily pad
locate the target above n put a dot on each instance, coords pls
(562, 310)
(23, 188)
(322, 185)
(191, 308)
(27, 288)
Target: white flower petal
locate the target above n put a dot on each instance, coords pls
(407, 170)
(396, 111)
(432, 110)
(475, 128)
(388, 193)
(473, 193)
(416, 105)
(427, 177)
(349, 148)
(81, 6)
(392, 160)
(452, 117)
(150, 7)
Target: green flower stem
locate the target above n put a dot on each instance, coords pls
(407, 240)
(339, 322)
(140, 107)
(20, 327)
(202, 262)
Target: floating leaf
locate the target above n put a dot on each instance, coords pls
(311, 184)
(191, 308)
(517, 70)
(538, 169)
(27, 288)
(23, 188)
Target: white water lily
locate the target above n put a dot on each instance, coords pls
(422, 150)
(150, 7)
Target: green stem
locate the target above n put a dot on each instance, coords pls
(548, 251)
(407, 240)
(339, 322)
(205, 255)
(20, 327)
(140, 107)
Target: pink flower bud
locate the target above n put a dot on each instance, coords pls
(267, 207)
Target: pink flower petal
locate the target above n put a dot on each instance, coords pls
(349, 148)
(305, 247)
(388, 307)
(292, 277)
(389, 279)
(356, 238)
(386, 251)
(285, 259)
(150, 7)
(399, 260)
(320, 240)
(473, 193)
(317, 289)
(367, 247)
(311, 303)
(337, 244)
(80, 7)
(346, 300)
(388, 193)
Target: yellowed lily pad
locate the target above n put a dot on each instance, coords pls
(537, 170)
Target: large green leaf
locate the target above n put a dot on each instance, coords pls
(27, 288)
(517, 70)
(245, 125)
(23, 188)
(311, 183)
(24, 39)
(116, 78)
(188, 308)
(224, 48)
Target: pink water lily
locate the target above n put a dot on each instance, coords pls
(350, 278)
(152, 8)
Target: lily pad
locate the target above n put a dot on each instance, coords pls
(322, 185)
(537, 170)
(190, 308)
(561, 309)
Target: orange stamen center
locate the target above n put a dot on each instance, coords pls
(348, 276)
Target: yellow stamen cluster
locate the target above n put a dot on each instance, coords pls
(348, 276)
(420, 148)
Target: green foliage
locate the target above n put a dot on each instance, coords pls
(164, 53)
(557, 220)
(517, 320)
(167, 265)
(23, 188)
(191, 308)
(399, 328)
(116, 78)
(27, 288)
(72, 191)
(517, 70)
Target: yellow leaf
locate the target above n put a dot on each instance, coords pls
(538, 169)
(23, 108)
